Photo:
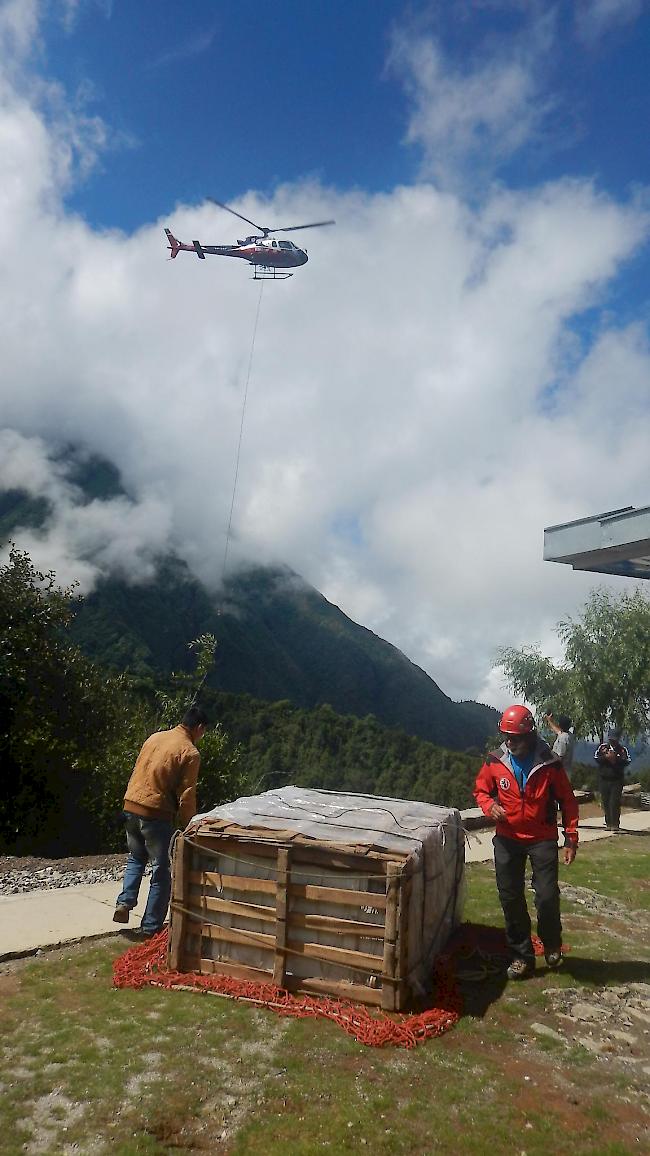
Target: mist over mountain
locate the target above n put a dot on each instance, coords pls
(278, 637)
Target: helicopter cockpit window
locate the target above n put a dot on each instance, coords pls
(284, 244)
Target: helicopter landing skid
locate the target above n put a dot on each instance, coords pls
(269, 273)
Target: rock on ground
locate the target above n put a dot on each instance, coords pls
(29, 873)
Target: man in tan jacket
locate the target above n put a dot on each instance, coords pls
(162, 787)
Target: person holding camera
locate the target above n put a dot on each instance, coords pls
(612, 758)
(565, 742)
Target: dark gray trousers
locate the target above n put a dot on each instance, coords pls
(610, 793)
(510, 865)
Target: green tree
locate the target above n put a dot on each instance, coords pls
(223, 775)
(57, 709)
(604, 680)
(148, 708)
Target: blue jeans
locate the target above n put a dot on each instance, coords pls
(148, 842)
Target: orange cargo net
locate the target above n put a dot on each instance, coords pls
(145, 965)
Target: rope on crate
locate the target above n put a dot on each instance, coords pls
(145, 965)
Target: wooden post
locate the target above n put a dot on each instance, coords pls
(180, 895)
(402, 944)
(393, 871)
(281, 912)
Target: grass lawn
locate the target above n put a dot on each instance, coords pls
(89, 1069)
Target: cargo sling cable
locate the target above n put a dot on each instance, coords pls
(241, 434)
(195, 697)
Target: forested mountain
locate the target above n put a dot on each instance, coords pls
(280, 744)
(278, 637)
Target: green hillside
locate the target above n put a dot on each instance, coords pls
(280, 744)
(279, 638)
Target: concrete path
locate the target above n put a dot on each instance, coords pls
(49, 918)
(478, 845)
(57, 915)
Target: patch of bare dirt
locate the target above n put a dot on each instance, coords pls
(31, 863)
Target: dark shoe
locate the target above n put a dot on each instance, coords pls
(136, 934)
(519, 969)
(121, 915)
(554, 959)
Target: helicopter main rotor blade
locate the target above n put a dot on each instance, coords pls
(236, 214)
(293, 228)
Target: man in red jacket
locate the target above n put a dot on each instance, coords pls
(520, 786)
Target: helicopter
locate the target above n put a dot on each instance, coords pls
(269, 257)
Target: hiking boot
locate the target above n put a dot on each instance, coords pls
(121, 915)
(519, 969)
(553, 959)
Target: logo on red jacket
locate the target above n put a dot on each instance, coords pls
(504, 784)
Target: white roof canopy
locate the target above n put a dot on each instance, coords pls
(617, 542)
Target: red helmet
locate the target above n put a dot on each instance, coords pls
(517, 720)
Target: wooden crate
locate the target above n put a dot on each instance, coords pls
(248, 908)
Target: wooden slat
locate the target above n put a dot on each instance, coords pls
(358, 993)
(235, 882)
(338, 926)
(241, 843)
(297, 918)
(393, 871)
(340, 895)
(357, 960)
(235, 935)
(231, 907)
(282, 913)
(235, 848)
(309, 891)
(364, 864)
(236, 970)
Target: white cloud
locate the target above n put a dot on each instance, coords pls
(81, 540)
(193, 45)
(18, 30)
(423, 398)
(471, 115)
(596, 18)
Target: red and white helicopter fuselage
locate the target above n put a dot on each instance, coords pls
(265, 253)
(268, 256)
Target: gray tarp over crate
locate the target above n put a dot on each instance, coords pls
(431, 838)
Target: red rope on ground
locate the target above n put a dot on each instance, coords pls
(145, 965)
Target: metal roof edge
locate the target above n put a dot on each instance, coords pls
(595, 518)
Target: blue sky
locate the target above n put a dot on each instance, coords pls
(464, 360)
(241, 95)
(220, 96)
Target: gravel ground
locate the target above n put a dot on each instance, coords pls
(26, 873)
